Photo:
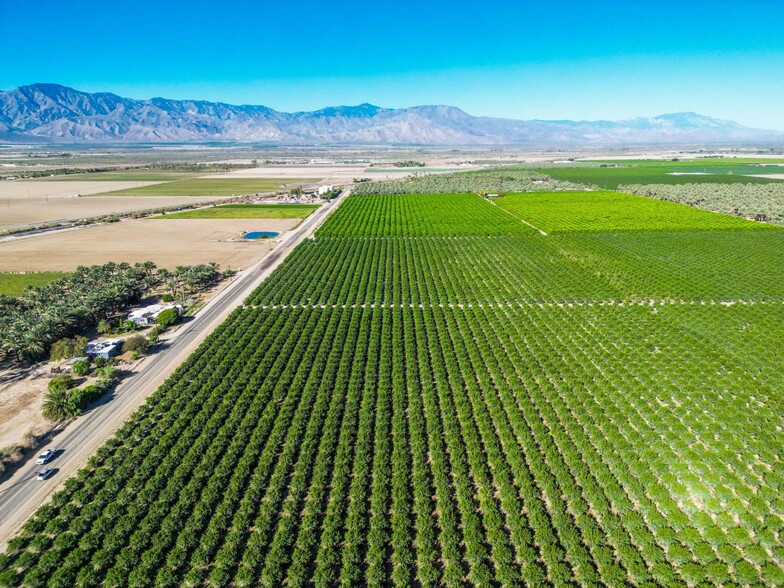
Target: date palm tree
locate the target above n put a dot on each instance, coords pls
(56, 406)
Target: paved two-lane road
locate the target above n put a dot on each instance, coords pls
(21, 494)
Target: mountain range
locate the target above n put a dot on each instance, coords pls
(55, 113)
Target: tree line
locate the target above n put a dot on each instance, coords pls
(40, 316)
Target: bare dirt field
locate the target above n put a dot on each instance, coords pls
(20, 406)
(338, 173)
(29, 189)
(326, 173)
(771, 176)
(20, 212)
(29, 203)
(167, 243)
(22, 393)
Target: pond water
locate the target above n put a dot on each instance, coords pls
(260, 235)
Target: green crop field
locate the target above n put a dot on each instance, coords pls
(769, 163)
(212, 187)
(427, 215)
(246, 211)
(689, 267)
(612, 211)
(432, 393)
(714, 171)
(12, 284)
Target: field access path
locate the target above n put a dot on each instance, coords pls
(22, 494)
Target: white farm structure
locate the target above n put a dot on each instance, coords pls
(148, 315)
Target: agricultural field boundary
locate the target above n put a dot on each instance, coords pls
(521, 219)
(571, 304)
(492, 446)
(230, 187)
(21, 494)
(605, 211)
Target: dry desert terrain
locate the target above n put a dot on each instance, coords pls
(325, 173)
(20, 406)
(16, 189)
(29, 203)
(20, 212)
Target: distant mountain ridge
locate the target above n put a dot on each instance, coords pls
(55, 113)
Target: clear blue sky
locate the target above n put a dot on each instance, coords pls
(545, 59)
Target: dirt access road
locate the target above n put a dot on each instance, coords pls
(22, 494)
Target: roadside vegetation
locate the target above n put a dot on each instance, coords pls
(66, 398)
(331, 194)
(431, 392)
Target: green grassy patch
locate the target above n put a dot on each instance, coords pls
(649, 172)
(557, 212)
(12, 284)
(246, 211)
(703, 162)
(212, 187)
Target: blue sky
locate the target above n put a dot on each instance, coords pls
(546, 60)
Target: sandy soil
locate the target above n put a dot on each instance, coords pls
(338, 173)
(19, 212)
(771, 176)
(22, 389)
(22, 392)
(326, 173)
(166, 242)
(29, 189)
(20, 406)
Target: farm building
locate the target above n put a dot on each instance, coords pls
(148, 314)
(324, 189)
(105, 349)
